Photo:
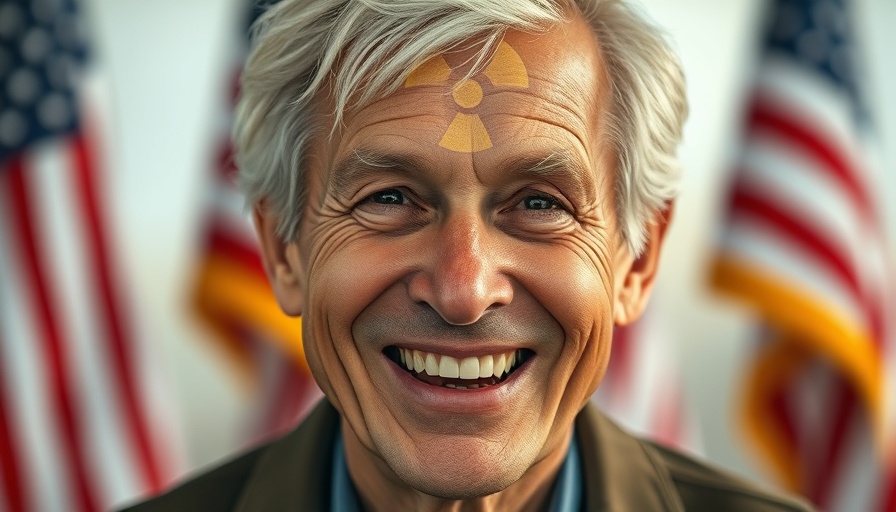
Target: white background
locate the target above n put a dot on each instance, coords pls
(166, 65)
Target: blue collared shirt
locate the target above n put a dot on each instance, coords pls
(567, 495)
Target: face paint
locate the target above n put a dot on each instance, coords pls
(507, 68)
(467, 133)
(433, 71)
(468, 94)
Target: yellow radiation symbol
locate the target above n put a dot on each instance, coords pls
(466, 133)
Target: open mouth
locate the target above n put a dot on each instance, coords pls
(467, 373)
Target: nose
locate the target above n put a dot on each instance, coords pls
(464, 278)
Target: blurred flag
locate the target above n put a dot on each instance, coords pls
(79, 419)
(804, 246)
(233, 296)
(643, 390)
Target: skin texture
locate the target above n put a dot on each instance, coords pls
(465, 253)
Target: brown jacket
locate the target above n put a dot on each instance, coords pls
(621, 473)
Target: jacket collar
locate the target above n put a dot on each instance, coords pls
(621, 472)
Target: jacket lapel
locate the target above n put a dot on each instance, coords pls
(622, 473)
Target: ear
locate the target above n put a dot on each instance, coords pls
(635, 276)
(281, 260)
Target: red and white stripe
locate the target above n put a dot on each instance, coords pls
(804, 244)
(804, 177)
(76, 429)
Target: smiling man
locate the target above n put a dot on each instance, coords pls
(461, 199)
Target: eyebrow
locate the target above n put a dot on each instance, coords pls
(558, 166)
(364, 163)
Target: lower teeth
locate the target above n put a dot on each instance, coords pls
(452, 385)
(471, 386)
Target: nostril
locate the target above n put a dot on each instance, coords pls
(495, 306)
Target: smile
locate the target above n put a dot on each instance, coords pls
(467, 373)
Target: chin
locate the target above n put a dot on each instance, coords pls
(459, 486)
(463, 472)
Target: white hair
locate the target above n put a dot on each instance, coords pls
(363, 50)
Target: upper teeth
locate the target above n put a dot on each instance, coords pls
(466, 368)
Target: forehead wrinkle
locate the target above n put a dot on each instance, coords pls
(568, 107)
(420, 119)
(579, 133)
(403, 108)
(566, 114)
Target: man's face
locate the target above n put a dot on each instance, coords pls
(429, 241)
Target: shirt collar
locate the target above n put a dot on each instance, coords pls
(343, 497)
(567, 495)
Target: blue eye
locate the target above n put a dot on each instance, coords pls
(539, 203)
(388, 196)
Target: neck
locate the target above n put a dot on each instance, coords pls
(381, 490)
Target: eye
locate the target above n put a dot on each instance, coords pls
(389, 196)
(540, 203)
(536, 212)
(391, 210)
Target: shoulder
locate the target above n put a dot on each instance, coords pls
(702, 486)
(626, 472)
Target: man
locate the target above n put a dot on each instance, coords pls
(461, 198)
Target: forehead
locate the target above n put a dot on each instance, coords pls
(539, 94)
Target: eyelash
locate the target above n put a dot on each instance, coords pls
(552, 202)
(403, 198)
(523, 203)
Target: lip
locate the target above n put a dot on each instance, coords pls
(437, 399)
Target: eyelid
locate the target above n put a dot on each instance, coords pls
(530, 191)
(397, 190)
(362, 191)
(411, 198)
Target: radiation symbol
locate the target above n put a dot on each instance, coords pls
(467, 133)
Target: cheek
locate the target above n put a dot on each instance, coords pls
(577, 292)
(347, 270)
(347, 264)
(574, 277)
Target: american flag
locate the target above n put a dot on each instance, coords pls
(805, 247)
(80, 426)
(233, 297)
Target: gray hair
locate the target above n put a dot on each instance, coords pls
(364, 49)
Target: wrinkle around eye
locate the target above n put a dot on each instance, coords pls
(396, 217)
(527, 223)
